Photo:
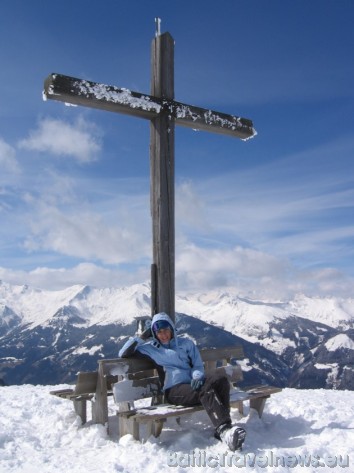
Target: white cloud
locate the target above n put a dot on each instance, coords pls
(84, 234)
(241, 261)
(254, 274)
(283, 283)
(80, 140)
(8, 157)
(299, 207)
(215, 267)
(84, 273)
(190, 208)
(236, 231)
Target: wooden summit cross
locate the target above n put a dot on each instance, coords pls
(163, 112)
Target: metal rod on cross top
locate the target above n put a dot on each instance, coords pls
(163, 112)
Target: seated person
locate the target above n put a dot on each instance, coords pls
(184, 380)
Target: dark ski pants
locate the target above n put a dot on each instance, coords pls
(214, 395)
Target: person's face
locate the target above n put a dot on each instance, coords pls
(164, 335)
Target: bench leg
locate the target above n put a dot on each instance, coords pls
(126, 426)
(139, 431)
(238, 405)
(258, 404)
(148, 428)
(80, 409)
(157, 427)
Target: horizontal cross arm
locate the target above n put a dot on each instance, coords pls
(216, 122)
(94, 95)
(110, 98)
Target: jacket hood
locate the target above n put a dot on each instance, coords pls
(163, 316)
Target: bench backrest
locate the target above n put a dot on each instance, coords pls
(142, 368)
(86, 382)
(214, 357)
(134, 365)
(137, 377)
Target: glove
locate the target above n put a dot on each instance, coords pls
(198, 380)
(196, 384)
(146, 333)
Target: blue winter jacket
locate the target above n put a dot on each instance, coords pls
(180, 358)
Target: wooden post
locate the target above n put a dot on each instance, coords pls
(162, 178)
(100, 401)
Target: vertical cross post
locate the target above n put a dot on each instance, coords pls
(162, 150)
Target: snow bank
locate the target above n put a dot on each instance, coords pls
(39, 432)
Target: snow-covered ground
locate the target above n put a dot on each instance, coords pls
(41, 433)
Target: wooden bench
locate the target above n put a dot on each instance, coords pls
(84, 390)
(141, 410)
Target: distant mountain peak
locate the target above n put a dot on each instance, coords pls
(67, 315)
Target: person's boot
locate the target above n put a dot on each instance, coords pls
(232, 436)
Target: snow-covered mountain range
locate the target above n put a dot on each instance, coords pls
(46, 337)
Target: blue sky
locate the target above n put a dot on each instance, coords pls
(267, 217)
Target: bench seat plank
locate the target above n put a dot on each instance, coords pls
(253, 392)
(170, 410)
